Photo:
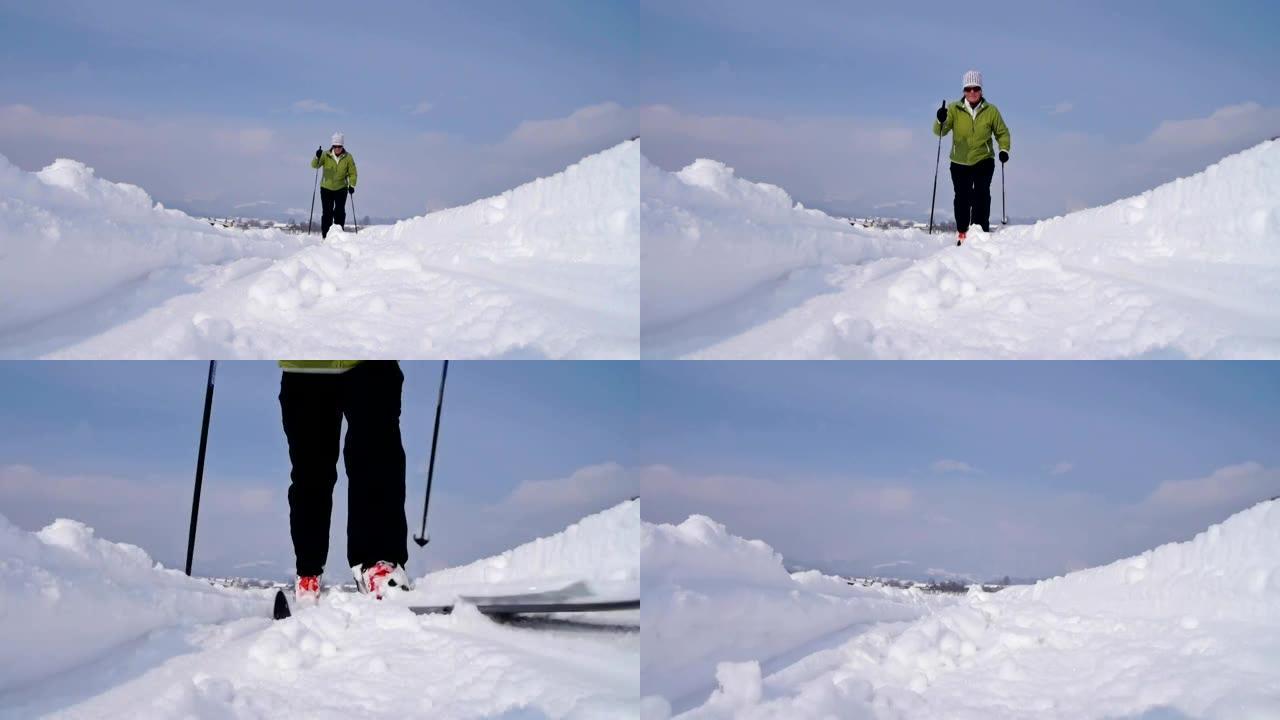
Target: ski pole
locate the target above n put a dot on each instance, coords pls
(353, 209)
(1004, 211)
(936, 162)
(422, 539)
(204, 439)
(312, 214)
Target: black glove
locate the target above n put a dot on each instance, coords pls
(1004, 156)
(319, 152)
(942, 114)
(351, 190)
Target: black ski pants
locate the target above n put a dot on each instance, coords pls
(973, 191)
(312, 406)
(333, 209)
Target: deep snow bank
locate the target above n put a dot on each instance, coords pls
(602, 549)
(67, 237)
(710, 597)
(67, 597)
(710, 236)
(1187, 630)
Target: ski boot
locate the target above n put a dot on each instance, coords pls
(306, 591)
(379, 578)
(960, 239)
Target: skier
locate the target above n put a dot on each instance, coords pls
(339, 181)
(315, 395)
(974, 121)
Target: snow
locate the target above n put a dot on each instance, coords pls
(91, 628)
(1191, 269)
(709, 598)
(95, 269)
(602, 550)
(1186, 630)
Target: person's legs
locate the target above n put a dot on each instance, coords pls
(982, 174)
(374, 456)
(962, 181)
(312, 426)
(328, 199)
(340, 208)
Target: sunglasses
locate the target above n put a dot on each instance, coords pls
(973, 89)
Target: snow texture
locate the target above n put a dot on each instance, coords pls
(1187, 630)
(602, 550)
(709, 597)
(1190, 269)
(95, 269)
(94, 629)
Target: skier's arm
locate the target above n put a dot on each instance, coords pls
(318, 161)
(1002, 132)
(351, 176)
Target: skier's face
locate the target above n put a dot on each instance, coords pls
(973, 94)
(337, 149)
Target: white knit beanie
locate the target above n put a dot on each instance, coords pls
(337, 139)
(973, 78)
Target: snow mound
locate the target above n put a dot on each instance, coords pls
(550, 269)
(1189, 629)
(588, 213)
(68, 237)
(67, 597)
(710, 237)
(1190, 269)
(601, 549)
(710, 597)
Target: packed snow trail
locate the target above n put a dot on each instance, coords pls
(1187, 630)
(1190, 269)
(95, 269)
(176, 647)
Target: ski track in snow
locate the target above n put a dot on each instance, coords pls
(1188, 270)
(95, 269)
(349, 656)
(91, 629)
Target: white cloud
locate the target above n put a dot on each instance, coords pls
(1060, 108)
(313, 106)
(1234, 485)
(586, 490)
(1061, 468)
(421, 108)
(1223, 126)
(947, 466)
(255, 203)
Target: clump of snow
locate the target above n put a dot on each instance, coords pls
(550, 269)
(1188, 629)
(1190, 269)
(710, 598)
(710, 237)
(602, 550)
(67, 596)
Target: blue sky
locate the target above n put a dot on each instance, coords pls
(849, 465)
(114, 445)
(833, 101)
(431, 96)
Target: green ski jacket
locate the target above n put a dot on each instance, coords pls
(971, 139)
(339, 173)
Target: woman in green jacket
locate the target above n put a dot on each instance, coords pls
(973, 122)
(339, 180)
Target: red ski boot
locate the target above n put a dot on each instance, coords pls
(306, 591)
(960, 239)
(380, 577)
